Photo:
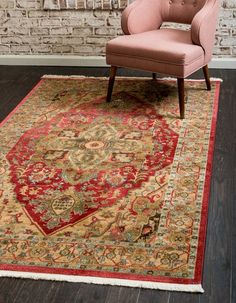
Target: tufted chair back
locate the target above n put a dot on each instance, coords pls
(180, 11)
(201, 14)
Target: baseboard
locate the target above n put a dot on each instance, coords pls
(223, 63)
(89, 61)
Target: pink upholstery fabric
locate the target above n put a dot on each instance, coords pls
(181, 11)
(148, 47)
(146, 15)
(203, 27)
(168, 51)
(141, 16)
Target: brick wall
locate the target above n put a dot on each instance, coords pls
(27, 29)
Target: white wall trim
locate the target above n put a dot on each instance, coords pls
(223, 63)
(53, 60)
(91, 61)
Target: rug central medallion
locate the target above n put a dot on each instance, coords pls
(66, 168)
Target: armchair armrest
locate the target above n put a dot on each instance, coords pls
(141, 16)
(203, 27)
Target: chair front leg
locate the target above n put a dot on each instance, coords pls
(207, 78)
(113, 70)
(154, 76)
(180, 82)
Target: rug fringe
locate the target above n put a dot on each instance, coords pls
(62, 76)
(104, 281)
(119, 77)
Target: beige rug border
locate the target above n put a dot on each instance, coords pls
(195, 288)
(103, 281)
(48, 76)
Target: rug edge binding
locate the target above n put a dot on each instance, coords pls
(104, 281)
(120, 77)
(108, 281)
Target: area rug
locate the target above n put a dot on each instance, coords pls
(107, 193)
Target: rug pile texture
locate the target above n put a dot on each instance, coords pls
(108, 193)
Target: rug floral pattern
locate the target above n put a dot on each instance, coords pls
(111, 188)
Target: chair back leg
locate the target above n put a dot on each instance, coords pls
(207, 78)
(113, 70)
(180, 82)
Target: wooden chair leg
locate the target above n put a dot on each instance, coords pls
(113, 70)
(180, 82)
(154, 76)
(207, 78)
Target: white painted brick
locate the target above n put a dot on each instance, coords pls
(114, 21)
(89, 50)
(4, 48)
(61, 31)
(18, 31)
(38, 5)
(25, 4)
(19, 40)
(11, 40)
(107, 31)
(223, 32)
(3, 31)
(2, 14)
(95, 22)
(26, 27)
(97, 40)
(229, 3)
(41, 48)
(221, 50)
(39, 31)
(51, 40)
(21, 49)
(66, 14)
(82, 31)
(23, 22)
(72, 22)
(225, 13)
(228, 41)
(229, 23)
(6, 4)
(15, 13)
(38, 14)
(52, 22)
(72, 40)
(61, 49)
(101, 14)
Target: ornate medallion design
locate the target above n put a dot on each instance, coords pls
(87, 158)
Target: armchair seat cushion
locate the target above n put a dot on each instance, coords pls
(167, 51)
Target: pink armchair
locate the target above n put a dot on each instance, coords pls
(147, 46)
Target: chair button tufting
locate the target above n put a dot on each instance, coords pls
(170, 1)
(194, 3)
(182, 2)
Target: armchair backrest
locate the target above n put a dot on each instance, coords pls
(180, 11)
(142, 15)
(147, 15)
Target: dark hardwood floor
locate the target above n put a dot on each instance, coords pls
(219, 279)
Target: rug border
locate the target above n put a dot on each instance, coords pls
(21, 103)
(207, 189)
(105, 281)
(193, 285)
